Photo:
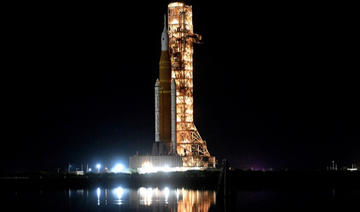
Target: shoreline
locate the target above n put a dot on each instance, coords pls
(237, 180)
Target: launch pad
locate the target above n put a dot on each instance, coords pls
(176, 137)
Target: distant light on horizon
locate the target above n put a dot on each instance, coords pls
(98, 166)
(118, 168)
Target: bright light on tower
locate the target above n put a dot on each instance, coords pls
(118, 168)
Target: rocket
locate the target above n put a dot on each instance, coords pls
(165, 103)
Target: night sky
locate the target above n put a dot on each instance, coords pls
(276, 85)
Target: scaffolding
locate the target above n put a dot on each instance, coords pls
(190, 146)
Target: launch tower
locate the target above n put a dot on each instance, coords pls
(189, 144)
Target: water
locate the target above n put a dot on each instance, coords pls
(114, 199)
(177, 199)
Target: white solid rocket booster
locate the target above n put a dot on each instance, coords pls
(157, 112)
(173, 116)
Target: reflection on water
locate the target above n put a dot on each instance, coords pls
(165, 198)
(196, 200)
(98, 191)
(168, 199)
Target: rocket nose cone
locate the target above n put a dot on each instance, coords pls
(164, 37)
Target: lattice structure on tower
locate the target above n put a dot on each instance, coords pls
(190, 146)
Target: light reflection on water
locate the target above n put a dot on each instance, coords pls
(164, 198)
(168, 199)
